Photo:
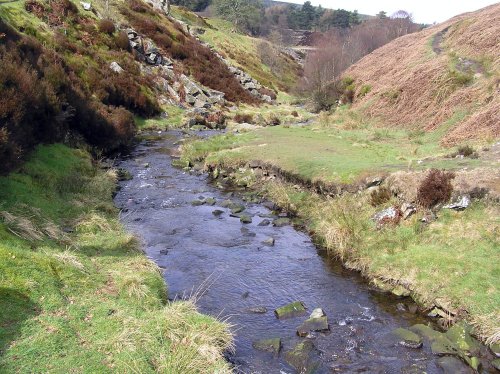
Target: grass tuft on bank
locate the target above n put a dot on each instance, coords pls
(76, 293)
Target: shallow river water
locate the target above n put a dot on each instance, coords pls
(228, 266)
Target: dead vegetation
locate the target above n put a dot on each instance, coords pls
(432, 91)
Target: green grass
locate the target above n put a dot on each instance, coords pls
(76, 293)
(242, 51)
(175, 119)
(338, 148)
(454, 259)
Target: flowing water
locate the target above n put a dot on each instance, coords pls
(232, 271)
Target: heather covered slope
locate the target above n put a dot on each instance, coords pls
(445, 77)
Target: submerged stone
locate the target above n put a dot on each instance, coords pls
(264, 222)
(123, 174)
(280, 222)
(217, 212)
(269, 242)
(303, 357)
(258, 310)
(452, 365)
(245, 218)
(313, 324)
(272, 345)
(294, 309)
(197, 202)
(408, 338)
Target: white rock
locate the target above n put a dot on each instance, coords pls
(86, 6)
(317, 313)
(115, 67)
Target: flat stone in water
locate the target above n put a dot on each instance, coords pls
(197, 202)
(217, 212)
(313, 324)
(408, 338)
(294, 309)
(280, 222)
(210, 201)
(264, 222)
(245, 218)
(317, 313)
(272, 345)
(258, 310)
(237, 209)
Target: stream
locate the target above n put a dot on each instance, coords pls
(234, 275)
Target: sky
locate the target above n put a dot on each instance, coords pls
(423, 11)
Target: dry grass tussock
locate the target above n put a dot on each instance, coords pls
(416, 85)
(30, 226)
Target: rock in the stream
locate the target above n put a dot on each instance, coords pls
(178, 163)
(295, 309)
(145, 165)
(258, 310)
(210, 201)
(317, 313)
(452, 365)
(408, 338)
(400, 291)
(217, 212)
(245, 218)
(280, 222)
(272, 345)
(237, 208)
(313, 324)
(123, 174)
(269, 242)
(303, 357)
(460, 335)
(264, 222)
(197, 202)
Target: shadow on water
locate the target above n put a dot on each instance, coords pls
(245, 279)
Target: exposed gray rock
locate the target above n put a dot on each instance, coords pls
(408, 210)
(386, 214)
(245, 218)
(264, 222)
(280, 222)
(461, 204)
(115, 67)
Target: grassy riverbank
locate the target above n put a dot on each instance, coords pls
(451, 262)
(76, 293)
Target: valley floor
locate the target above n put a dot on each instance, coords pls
(327, 174)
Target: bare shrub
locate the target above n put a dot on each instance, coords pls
(243, 118)
(435, 188)
(106, 26)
